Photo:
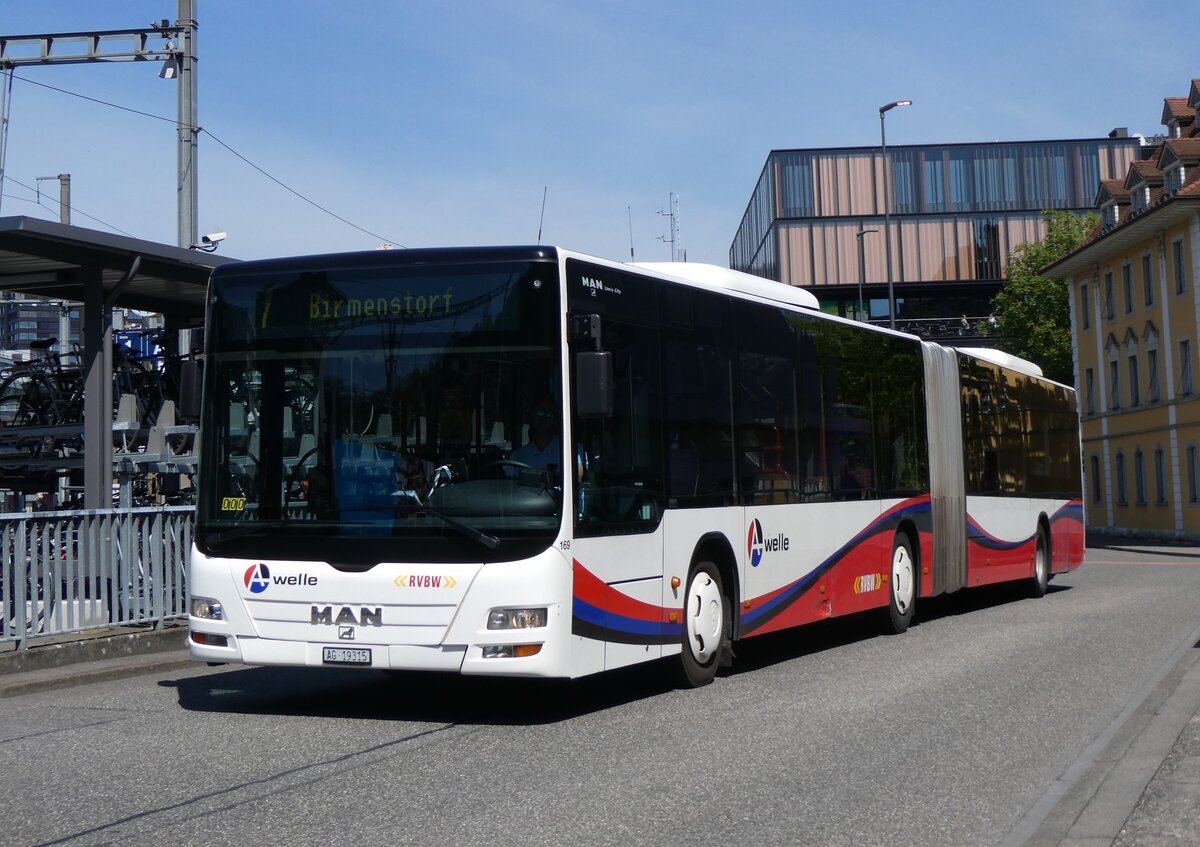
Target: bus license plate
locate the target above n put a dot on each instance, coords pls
(346, 655)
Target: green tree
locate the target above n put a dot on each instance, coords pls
(1031, 310)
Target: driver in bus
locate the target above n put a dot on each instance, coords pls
(543, 450)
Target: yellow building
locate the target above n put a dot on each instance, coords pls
(1135, 331)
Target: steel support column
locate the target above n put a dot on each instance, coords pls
(96, 331)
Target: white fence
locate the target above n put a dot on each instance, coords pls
(67, 572)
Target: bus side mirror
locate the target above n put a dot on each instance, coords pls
(190, 371)
(594, 384)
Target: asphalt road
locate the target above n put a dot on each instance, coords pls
(969, 729)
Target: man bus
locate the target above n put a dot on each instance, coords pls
(730, 462)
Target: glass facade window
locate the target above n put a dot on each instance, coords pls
(1085, 307)
(1122, 500)
(996, 183)
(797, 190)
(1127, 284)
(935, 190)
(1148, 279)
(1135, 394)
(1110, 308)
(904, 184)
(1152, 390)
(1097, 487)
(1160, 477)
(959, 178)
(989, 264)
(1089, 390)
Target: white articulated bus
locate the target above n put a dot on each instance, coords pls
(525, 461)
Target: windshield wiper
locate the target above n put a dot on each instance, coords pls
(489, 541)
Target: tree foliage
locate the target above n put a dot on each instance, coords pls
(1031, 310)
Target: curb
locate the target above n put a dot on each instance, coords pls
(109, 654)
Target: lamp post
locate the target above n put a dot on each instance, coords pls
(887, 204)
(862, 265)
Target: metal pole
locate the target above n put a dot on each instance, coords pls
(64, 198)
(188, 127)
(887, 222)
(887, 206)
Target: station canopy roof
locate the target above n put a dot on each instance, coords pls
(49, 259)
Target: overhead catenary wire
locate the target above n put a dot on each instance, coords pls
(227, 147)
(74, 209)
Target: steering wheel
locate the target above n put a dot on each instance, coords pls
(513, 463)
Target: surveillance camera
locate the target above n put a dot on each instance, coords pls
(214, 238)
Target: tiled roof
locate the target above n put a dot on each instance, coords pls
(1143, 171)
(1184, 148)
(1113, 189)
(1177, 108)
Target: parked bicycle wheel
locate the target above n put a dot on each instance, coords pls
(27, 399)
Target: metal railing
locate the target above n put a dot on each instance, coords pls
(68, 572)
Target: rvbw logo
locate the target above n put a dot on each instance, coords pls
(757, 545)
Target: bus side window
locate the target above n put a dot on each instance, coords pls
(767, 407)
(698, 376)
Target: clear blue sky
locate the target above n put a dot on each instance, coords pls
(440, 123)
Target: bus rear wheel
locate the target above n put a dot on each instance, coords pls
(706, 614)
(1037, 584)
(902, 584)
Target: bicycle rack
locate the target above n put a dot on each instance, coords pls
(32, 453)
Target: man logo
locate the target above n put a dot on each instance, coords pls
(257, 578)
(366, 616)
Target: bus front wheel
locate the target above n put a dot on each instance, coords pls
(706, 614)
(902, 584)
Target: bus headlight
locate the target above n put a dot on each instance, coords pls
(203, 607)
(517, 618)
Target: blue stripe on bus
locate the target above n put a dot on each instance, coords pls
(620, 628)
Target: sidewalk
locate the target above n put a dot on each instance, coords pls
(104, 654)
(1138, 783)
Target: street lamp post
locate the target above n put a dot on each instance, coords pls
(887, 204)
(862, 265)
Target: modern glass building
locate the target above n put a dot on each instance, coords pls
(27, 320)
(957, 212)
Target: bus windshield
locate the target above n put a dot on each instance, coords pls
(377, 409)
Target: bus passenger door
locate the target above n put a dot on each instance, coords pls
(619, 498)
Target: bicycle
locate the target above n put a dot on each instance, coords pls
(46, 392)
